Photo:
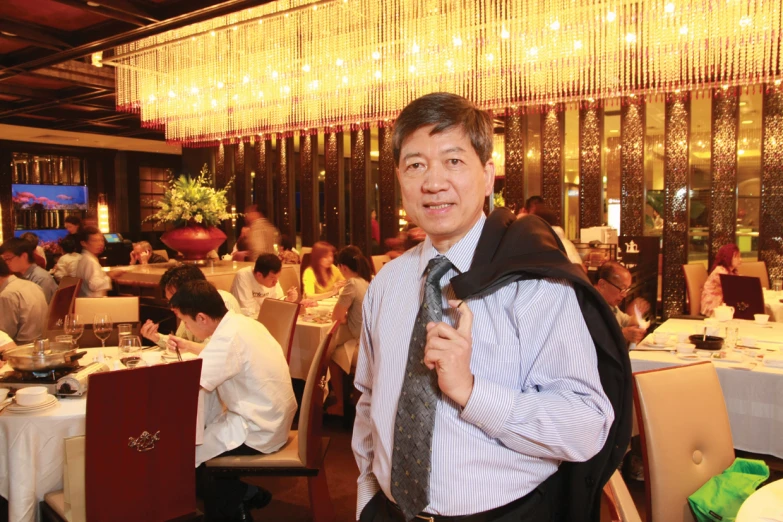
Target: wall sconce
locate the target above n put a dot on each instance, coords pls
(103, 214)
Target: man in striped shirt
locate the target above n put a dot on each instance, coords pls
(516, 369)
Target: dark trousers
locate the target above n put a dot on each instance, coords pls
(530, 508)
(222, 496)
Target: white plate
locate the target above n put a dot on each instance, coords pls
(688, 356)
(730, 358)
(655, 346)
(50, 402)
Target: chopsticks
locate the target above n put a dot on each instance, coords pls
(179, 355)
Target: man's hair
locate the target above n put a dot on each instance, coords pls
(176, 276)
(533, 201)
(31, 237)
(88, 231)
(286, 242)
(266, 263)
(199, 297)
(611, 270)
(68, 245)
(4, 270)
(18, 246)
(74, 220)
(144, 245)
(546, 213)
(445, 111)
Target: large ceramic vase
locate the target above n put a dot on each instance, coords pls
(193, 241)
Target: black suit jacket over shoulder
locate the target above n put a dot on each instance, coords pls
(511, 250)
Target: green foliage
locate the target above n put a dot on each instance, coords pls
(192, 200)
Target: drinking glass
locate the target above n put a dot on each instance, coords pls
(732, 333)
(130, 350)
(123, 330)
(102, 327)
(777, 284)
(74, 326)
(65, 339)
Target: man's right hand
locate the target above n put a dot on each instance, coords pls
(149, 330)
(633, 334)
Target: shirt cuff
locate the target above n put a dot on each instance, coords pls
(489, 406)
(365, 491)
(163, 339)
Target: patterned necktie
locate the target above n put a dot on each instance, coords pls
(410, 472)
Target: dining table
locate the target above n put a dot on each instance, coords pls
(752, 386)
(32, 445)
(311, 328)
(773, 305)
(764, 505)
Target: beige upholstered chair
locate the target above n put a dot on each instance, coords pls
(120, 309)
(379, 261)
(303, 453)
(289, 276)
(695, 277)
(755, 269)
(621, 505)
(685, 433)
(162, 253)
(279, 317)
(305, 250)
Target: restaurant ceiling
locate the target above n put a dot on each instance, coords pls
(46, 79)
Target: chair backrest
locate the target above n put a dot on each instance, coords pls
(62, 302)
(163, 253)
(744, 293)
(121, 309)
(621, 505)
(279, 317)
(239, 255)
(126, 412)
(379, 261)
(695, 277)
(305, 250)
(755, 269)
(289, 276)
(311, 411)
(685, 433)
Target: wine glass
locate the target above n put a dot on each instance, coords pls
(74, 326)
(101, 327)
(130, 350)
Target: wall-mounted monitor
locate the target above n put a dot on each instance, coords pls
(112, 238)
(49, 197)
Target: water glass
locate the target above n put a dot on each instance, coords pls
(124, 329)
(777, 284)
(130, 350)
(102, 327)
(74, 326)
(64, 339)
(732, 334)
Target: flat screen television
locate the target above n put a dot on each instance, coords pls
(112, 238)
(49, 197)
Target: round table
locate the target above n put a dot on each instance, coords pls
(765, 505)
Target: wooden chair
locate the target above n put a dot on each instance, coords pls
(289, 276)
(619, 500)
(744, 293)
(62, 302)
(695, 277)
(685, 434)
(120, 309)
(163, 253)
(304, 452)
(379, 261)
(239, 255)
(755, 269)
(279, 317)
(156, 480)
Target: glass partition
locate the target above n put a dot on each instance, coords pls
(700, 177)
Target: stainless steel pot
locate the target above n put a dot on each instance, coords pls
(42, 355)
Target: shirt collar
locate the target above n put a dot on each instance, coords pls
(460, 254)
(29, 271)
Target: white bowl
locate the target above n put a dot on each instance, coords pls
(748, 342)
(686, 348)
(761, 318)
(31, 396)
(661, 338)
(3, 393)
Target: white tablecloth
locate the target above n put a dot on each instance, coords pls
(765, 505)
(308, 336)
(754, 398)
(773, 305)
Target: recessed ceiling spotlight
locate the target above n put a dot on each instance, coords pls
(93, 4)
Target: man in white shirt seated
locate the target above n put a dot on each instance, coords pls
(66, 265)
(95, 282)
(254, 284)
(170, 282)
(246, 366)
(18, 253)
(23, 308)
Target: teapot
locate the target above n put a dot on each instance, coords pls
(723, 312)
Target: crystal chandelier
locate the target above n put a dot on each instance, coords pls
(305, 64)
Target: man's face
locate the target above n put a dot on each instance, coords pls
(197, 325)
(71, 228)
(137, 250)
(443, 183)
(269, 281)
(94, 244)
(614, 291)
(16, 264)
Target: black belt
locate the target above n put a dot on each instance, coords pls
(484, 516)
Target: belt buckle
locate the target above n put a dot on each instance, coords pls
(428, 519)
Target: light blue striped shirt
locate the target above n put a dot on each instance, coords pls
(537, 398)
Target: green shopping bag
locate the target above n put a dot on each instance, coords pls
(720, 498)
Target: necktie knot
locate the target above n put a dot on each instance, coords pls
(437, 266)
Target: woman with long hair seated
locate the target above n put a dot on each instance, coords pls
(348, 310)
(727, 261)
(321, 279)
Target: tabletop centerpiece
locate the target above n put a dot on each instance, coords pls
(196, 209)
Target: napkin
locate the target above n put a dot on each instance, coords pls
(776, 361)
(641, 322)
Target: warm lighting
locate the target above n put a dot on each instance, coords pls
(103, 214)
(496, 52)
(97, 59)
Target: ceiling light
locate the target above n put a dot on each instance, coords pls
(611, 16)
(578, 44)
(93, 4)
(504, 33)
(747, 122)
(555, 25)
(6, 33)
(669, 7)
(630, 38)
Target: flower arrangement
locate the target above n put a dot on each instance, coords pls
(192, 200)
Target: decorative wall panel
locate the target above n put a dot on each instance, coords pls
(242, 198)
(590, 178)
(632, 127)
(333, 192)
(360, 179)
(771, 226)
(723, 195)
(263, 180)
(514, 191)
(220, 166)
(286, 217)
(552, 142)
(308, 187)
(675, 219)
(388, 190)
